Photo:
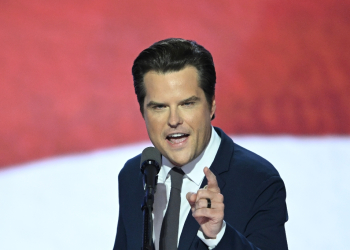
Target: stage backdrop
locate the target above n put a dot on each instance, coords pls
(66, 94)
(65, 68)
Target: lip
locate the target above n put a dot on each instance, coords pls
(178, 143)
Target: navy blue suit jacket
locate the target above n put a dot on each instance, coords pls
(254, 198)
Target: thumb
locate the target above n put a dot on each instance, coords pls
(191, 198)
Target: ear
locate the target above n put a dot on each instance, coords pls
(213, 108)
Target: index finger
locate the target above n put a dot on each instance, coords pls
(212, 182)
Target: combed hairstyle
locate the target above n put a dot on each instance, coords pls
(171, 55)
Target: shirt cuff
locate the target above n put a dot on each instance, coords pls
(212, 243)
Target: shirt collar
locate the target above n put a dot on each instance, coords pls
(194, 169)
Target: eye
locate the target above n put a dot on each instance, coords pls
(188, 104)
(158, 107)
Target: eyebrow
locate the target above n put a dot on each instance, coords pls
(190, 99)
(152, 103)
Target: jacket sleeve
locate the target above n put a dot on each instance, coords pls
(120, 239)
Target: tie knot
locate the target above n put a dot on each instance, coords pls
(176, 177)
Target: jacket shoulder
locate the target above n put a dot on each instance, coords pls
(131, 169)
(241, 160)
(252, 163)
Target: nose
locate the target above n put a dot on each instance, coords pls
(174, 119)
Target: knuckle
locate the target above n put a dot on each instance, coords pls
(202, 203)
(199, 192)
(221, 197)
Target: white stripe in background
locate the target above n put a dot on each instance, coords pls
(71, 202)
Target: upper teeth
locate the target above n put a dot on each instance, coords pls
(176, 135)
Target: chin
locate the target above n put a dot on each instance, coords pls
(179, 161)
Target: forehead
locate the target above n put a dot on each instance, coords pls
(180, 83)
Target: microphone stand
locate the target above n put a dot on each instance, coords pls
(150, 169)
(147, 208)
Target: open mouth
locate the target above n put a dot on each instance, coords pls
(177, 138)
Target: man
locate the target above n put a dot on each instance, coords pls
(230, 198)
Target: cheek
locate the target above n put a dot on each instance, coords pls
(201, 124)
(154, 126)
(197, 121)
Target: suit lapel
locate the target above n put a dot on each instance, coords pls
(219, 166)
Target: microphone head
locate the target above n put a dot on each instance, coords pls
(150, 156)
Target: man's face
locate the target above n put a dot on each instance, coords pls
(177, 114)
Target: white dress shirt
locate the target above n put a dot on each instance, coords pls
(192, 181)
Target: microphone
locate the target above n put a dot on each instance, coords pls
(150, 165)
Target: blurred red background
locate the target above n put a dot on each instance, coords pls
(65, 68)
